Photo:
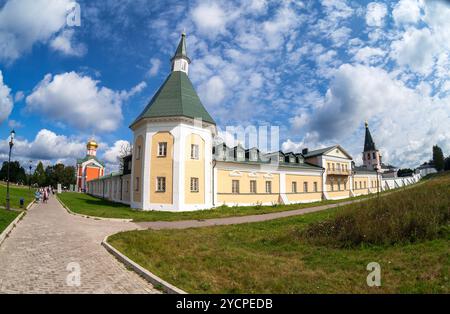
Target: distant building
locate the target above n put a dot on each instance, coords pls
(89, 167)
(426, 169)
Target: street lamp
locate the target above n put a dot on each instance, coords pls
(378, 181)
(11, 144)
(29, 177)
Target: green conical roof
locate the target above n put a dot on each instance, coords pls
(181, 51)
(176, 97)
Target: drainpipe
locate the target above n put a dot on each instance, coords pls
(213, 194)
(323, 185)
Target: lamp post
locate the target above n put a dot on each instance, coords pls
(29, 178)
(378, 181)
(11, 144)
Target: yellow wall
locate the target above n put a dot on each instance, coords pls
(224, 188)
(357, 190)
(161, 167)
(137, 164)
(194, 168)
(300, 195)
(337, 193)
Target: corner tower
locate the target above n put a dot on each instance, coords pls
(371, 155)
(172, 151)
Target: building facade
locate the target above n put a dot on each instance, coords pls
(176, 167)
(88, 168)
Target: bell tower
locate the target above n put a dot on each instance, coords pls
(371, 155)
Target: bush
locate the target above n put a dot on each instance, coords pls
(419, 213)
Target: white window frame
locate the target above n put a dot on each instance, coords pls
(253, 186)
(195, 151)
(162, 149)
(315, 187)
(294, 187)
(160, 184)
(235, 189)
(269, 187)
(305, 187)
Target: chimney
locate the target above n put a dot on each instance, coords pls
(304, 151)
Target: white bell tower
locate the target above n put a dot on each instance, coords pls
(180, 61)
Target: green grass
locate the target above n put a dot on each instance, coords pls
(97, 207)
(6, 217)
(16, 193)
(270, 257)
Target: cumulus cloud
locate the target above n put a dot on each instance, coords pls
(155, 64)
(407, 11)
(79, 101)
(64, 44)
(369, 55)
(47, 145)
(404, 120)
(210, 18)
(6, 102)
(24, 23)
(213, 90)
(375, 14)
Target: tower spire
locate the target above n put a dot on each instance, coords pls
(180, 60)
(369, 144)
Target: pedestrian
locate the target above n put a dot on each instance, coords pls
(37, 196)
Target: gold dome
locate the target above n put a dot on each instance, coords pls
(92, 144)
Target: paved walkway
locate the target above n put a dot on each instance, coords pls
(35, 257)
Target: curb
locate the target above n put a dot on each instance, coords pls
(11, 226)
(150, 277)
(91, 217)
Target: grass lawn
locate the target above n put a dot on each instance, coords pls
(271, 257)
(97, 207)
(16, 193)
(6, 217)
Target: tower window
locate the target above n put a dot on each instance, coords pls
(194, 185)
(374, 156)
(162, 149)
(235, 186)
(160, 184)
(194, 151)
(368, 156)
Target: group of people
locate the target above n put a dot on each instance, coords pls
(42, 194)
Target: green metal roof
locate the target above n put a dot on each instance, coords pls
(181, 51)
(80, 161)
(176, 97)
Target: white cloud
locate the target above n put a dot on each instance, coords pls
(213, 90)
(46, 146)
(79, 101)
(416, 50)
(404, 121)
(19, 96)
(407, 11)
(64, 44)
(6, 102)
(369, 55)
(210, 18)
(24, 23)
(375, 14)
(112, 153)
(155, 64)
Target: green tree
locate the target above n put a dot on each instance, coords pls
(447, 163)
(438, 158)
(407, 172)
(16, 172)
(59, 173)
(39, 176)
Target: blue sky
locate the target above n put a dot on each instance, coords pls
(316, 69)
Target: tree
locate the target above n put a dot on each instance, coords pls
(16, 172)
(407, 172)
(59, 173)
(39, 176)
(447, 163)
(125, 150)
(438, 158)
